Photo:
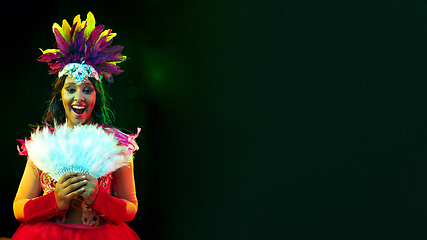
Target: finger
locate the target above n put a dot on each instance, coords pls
(67, 176)
(90, 178)
(73, 187)
(87, 193)
(74, 194)
(74, 180)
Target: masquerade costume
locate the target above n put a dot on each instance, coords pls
(100, 151)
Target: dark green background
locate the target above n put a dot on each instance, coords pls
(262, 119)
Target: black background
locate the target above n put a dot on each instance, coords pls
(261, 119)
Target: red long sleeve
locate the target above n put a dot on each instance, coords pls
(124, 206)
(30, 189)
(110, 208)
(39, 209)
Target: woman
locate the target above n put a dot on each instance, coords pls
(77, 205)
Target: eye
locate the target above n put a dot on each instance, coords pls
(71, 90)
(88, 90)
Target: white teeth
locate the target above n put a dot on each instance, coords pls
(78, 107)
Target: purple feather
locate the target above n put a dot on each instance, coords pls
(80, 44)
(73, 28)
(111, 51)
(57, 65)
(110, 68)
(101, 44)
(95, 35)
(62, 43)
(47, 57)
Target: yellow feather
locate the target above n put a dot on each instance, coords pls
(66, 30)
(56, 25)
(105, 32)
(90, 19)
(60, 29)
(111, 36)
(78, 21)
(122, 58)
(49, 50)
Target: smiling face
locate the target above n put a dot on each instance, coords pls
(78, 101)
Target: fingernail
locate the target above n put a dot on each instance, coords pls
(83, 177)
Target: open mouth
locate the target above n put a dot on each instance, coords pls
(78, 110)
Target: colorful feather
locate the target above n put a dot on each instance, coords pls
(84, 42)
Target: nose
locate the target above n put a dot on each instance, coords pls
(79, 97)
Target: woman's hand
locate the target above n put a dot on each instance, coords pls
(69, 187)
(90, 190)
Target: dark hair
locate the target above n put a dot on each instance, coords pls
(101, 113)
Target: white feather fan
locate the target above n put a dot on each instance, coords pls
(84, 148)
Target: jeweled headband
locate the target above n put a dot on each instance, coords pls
(83, 51)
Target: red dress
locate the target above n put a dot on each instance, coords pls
(48, 230)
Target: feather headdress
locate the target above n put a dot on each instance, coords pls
(88, 149)
(84, 44)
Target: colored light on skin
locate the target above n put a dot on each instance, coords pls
(78, 101)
